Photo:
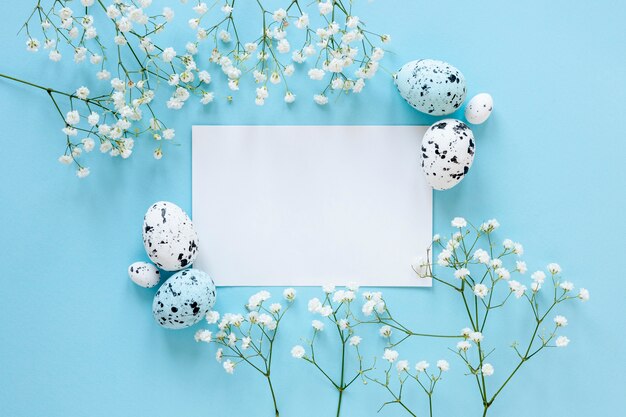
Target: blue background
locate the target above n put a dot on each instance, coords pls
(78, 338)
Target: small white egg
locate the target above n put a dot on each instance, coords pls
(144, 274)
(479, 108)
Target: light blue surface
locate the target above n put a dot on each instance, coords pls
(78, 338)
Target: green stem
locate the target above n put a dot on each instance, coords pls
(339, 401)
(269, 381)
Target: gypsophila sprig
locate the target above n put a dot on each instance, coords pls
(249, 339)
(485, 276)
(399, 373)
(376, 311)
(335, 309)
(120, 40)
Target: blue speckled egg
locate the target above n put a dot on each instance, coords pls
(431, 86)
(184, 299)
(169, 237)
(447, 153)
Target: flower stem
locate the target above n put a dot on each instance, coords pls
(339, 401)
(269, 381)
(8, 77)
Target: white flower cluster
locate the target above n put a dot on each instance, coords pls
(345, 53)
(250, 336)
(481, 278)
(477, 276)
(336, 309)
(341, 46)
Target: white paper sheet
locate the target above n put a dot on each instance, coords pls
(308, 205)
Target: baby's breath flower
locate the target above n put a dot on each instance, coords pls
(487, 369)
(562, 341)
(390, 355)
(421, 366)
(298, 352)
(355, 341)
(385, 331)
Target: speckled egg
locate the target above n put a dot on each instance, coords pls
(479, 108)
(169, 237)
(184, 299)
(431, 86)
(447, 153)
(144, 274)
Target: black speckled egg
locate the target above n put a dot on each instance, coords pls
(447, 153)
(169, 237)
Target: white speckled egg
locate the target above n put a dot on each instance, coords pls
(169, 237)
(144, 274)
(431, 86)
(479, 108)
(184, 299)
(447, 153)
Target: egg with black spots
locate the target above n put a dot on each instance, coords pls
(169, 237)
(431, 86)
(184, 299)
(479, 108)
(447, 153)
(144, 274)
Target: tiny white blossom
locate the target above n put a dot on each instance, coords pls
(476, 337)
(385, 331)
(314, 305)
(583, 294)
(402, 366)
(328, 288)
(562, 341)
(325, 7)
(82, 92)
(463, 345)
(82, 172)
(320, 99)
(421, 267)
(297, 352)
(482, 256)
(443, 365)
(560, 321)
(355, 341)
(538, 276)
(72, 117)
(316, 73)
(480, 290)
(421, 366)
(279, 15)
(88, 144)
(225, 36)
(303, 21)
(289, 97)
(289, 294)
(229, 366)
(459, 222)
(487, 369)
(201, 8)
(203, 336)
(66, 159)
(317, 325)
(554, 269)
(390, 355)
(461, 273)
